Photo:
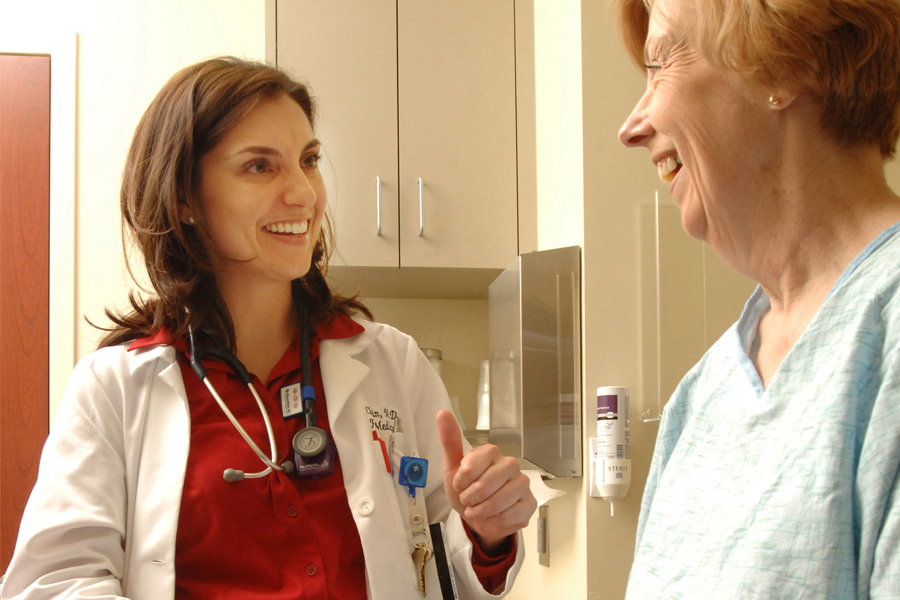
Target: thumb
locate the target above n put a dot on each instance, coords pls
(451, 440)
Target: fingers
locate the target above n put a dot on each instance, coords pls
(499, 501)
(451, 440)
(506, 523)
(490, 493)
(485, 487)
(499, 493)
(481, 475)
(479, 461)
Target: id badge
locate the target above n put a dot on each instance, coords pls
(291, 401)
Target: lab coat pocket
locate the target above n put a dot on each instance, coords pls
(398, 512)
(416, 527)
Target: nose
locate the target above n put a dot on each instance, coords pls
(299, 190)
(636, 129)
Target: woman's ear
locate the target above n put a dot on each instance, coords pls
(185, 214)
(781, 99)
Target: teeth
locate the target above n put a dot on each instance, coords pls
(667, 168)
(292, 228)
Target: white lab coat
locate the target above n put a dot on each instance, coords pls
(102, 519)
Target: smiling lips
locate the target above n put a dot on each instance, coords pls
(288, 227)
(668, 167)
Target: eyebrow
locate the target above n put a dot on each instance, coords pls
(269, 151)
(661, 44)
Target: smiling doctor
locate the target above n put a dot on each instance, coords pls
(242, 432)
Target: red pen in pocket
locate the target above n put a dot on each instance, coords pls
(387, 459)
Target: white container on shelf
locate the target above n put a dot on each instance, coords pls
(484, 397)
(435, 357)
(454, 404)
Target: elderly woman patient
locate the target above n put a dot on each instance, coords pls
(775, 473)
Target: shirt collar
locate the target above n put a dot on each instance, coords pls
(161, 337)
(336, 326)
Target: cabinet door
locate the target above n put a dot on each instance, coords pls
(348, 56)
(457, 107)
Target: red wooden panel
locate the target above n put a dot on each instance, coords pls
(24, 283)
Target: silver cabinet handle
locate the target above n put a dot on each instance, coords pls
(421, 211)
(378, 205)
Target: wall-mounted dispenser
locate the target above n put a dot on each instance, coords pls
(535, 368)
(610, 451)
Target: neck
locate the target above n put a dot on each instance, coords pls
(829, 204)
(264, 321)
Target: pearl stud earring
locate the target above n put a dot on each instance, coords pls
(774, 100)
(191, 221)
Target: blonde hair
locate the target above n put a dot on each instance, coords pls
(845, 53)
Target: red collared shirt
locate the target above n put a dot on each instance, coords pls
(277, 536)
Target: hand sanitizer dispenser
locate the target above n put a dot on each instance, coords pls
(609, 451)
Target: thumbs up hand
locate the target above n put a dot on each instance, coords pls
(486, 488)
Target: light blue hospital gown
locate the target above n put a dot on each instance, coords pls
(791, 491)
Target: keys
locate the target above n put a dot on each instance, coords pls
(413, 474)
(420, 556)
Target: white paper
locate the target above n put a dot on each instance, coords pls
(541, 490)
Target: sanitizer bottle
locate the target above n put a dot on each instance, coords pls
(612, 459)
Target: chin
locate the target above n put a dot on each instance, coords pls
(694, 225)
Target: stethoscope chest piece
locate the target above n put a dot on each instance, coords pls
(314, 453)
(310, 441)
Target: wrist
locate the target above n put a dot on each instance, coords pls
(489, 546)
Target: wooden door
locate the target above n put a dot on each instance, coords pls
(348, 56)
(457, 111)
(24, 283)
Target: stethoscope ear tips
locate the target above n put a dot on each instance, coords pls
(288, 467)
(231, 475)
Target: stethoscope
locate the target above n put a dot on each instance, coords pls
(309, 443)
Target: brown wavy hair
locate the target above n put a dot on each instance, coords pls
(845, 53)
(187, 118)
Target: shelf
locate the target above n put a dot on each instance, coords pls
(412, 282)
(476, 437)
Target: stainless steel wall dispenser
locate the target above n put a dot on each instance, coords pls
(535, 370)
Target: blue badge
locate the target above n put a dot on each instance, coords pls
(413, 473)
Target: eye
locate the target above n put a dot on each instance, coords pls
(653, 69)
(311, 161)
(259, 165)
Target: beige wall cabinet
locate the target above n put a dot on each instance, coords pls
(412, 90)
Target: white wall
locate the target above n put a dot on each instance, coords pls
(590, 190)
(126, 50)
(455, 327)
(560, 173)
(560, 208)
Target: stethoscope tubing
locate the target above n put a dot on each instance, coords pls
(196, 354)
(268, 461)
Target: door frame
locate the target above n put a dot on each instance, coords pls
(62, 48)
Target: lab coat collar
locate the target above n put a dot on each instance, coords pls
(342, 372)
(142, 356)
(168, 370)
